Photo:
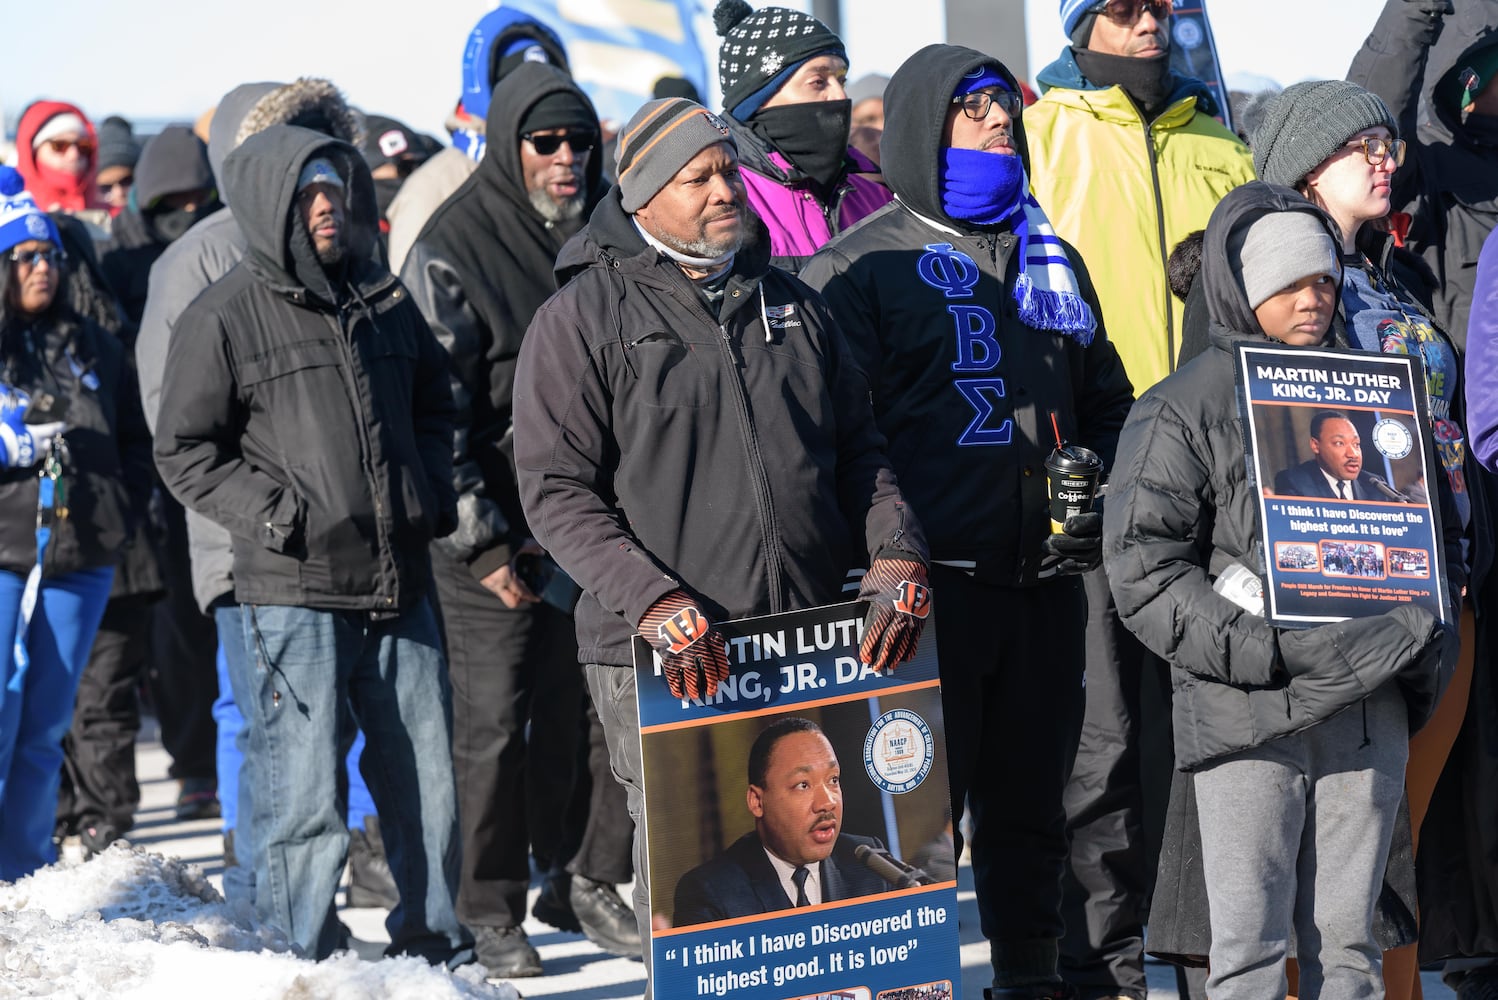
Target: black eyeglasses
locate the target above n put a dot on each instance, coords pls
(123, 184)
(53, 256)
(545, 145)
(1376, 150)
(1128, 12)
(977, 104)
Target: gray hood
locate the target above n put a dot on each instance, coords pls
(253, 107)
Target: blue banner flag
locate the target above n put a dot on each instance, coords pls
(1193, 51)
(619, 48)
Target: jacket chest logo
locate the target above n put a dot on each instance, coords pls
(955, 275)
(782, 317)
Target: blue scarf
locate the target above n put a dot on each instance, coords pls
(981, 188)
(469, 142)
(990, 188)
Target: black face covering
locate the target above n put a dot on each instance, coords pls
(813, 136)
(170, 224)
(386, 189)
(1481, 130)
(1145, 80)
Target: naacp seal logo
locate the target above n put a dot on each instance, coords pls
(1392, 439)
(898, 751)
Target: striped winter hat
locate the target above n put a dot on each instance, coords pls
(658, 141)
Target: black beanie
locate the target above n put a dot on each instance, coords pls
(558, 109)
(118, 146)
(761, 45)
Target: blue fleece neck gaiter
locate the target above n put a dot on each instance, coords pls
(981, 188)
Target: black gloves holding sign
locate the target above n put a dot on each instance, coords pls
(1077, 548)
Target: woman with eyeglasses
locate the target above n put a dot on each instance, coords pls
(1339, 145)
(57, 153)
(75, 475)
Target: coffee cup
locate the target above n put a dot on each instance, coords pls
(1072, 474)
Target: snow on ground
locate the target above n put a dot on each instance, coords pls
(134, 924)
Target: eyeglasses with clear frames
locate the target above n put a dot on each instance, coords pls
(53, 256)
(1377, 150)
(977, 104)
(1128, 12)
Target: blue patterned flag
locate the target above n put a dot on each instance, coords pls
(619, 48)
(1193, 51)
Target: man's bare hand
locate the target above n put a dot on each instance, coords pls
(505, 584)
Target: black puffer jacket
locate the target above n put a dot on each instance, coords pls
(107, 474)
(970, 445)
(1182, 511)
(1449, 181)
(480, 269)
(659, 446)
(310, 415)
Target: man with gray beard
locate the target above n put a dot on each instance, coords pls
(479, 270)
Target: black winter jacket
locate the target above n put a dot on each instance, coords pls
(480, 269)
(968, 427)
(659, 446)
(310, 416)
(1449, 181)
(1182, 511)
(107, 474)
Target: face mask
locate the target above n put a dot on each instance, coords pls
(172, 223)
(813, 136)
(385, 189)
(1144, 80)
(981, 188)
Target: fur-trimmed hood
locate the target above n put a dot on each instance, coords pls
(310, 102)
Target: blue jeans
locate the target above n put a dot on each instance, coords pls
(317, 673)
(36, 706)
(230, 752)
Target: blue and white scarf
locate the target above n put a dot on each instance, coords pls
(1046, 290)
(985, 189)
(468, 142)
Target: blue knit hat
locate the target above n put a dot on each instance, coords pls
(1071, 13)
(20, 219)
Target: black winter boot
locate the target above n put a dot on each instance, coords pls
(370, 883)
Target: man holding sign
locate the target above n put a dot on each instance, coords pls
(693, 441)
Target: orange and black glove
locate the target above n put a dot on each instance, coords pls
(899, 595)
(693, 653)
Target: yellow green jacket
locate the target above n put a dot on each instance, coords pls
(1124, 196)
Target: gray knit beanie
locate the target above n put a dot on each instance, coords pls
(1278, 249)
(659, 140)
(1304, 124)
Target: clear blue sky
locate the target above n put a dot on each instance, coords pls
(175, 58)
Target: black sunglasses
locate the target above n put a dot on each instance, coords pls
(545, 145)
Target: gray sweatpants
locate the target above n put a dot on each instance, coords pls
(1295, 834)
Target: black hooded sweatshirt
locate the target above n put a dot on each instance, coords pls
(308, 412)
(480, 269)
(968, 420)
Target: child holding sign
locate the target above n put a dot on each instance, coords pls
(1297, 796)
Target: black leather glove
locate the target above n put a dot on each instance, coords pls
(1077, 549)
(693, 653)
(899, 595)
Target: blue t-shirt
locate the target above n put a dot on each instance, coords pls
(1377, 320)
